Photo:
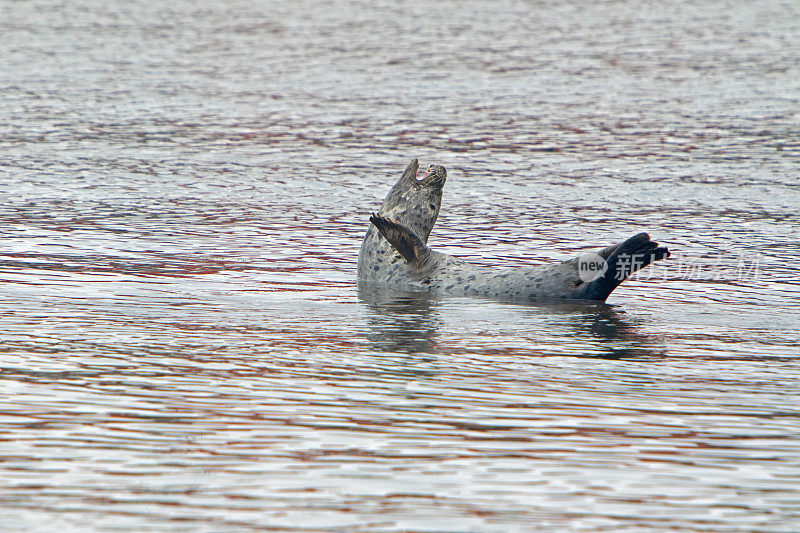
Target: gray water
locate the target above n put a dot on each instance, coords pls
(184, 191)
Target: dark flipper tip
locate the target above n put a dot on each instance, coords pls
(405, 241)
(623, 260)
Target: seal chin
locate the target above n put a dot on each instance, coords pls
(435, 177)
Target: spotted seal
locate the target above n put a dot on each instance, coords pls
(395, 253)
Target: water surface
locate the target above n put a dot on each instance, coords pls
(184, 191)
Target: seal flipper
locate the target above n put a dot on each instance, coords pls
(623, 260)
(402, 239)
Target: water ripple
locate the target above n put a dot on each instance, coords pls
(185, 188)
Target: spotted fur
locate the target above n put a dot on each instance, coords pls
(406, 218)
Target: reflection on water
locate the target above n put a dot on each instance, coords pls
(409, 322)
(183, 191)
(403, 322)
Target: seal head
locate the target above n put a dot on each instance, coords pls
(415, 203)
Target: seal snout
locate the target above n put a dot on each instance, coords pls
(435, 177)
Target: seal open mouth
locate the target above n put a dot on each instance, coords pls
(435, 177)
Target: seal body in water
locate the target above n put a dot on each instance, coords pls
(395, 253)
